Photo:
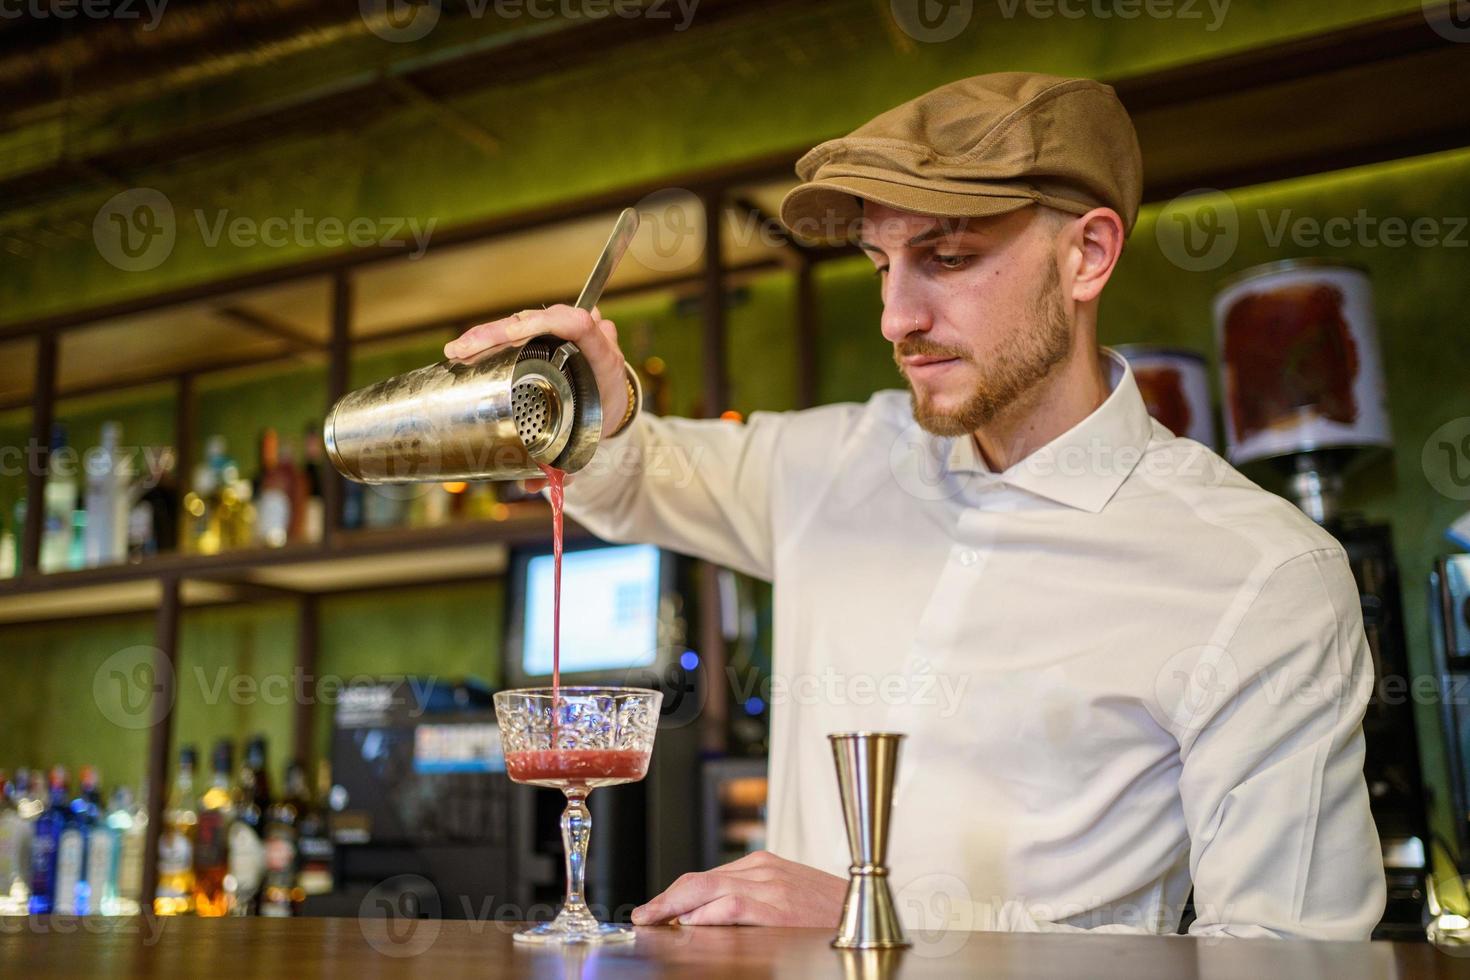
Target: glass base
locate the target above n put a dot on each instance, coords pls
(575, 927)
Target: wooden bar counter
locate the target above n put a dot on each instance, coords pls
(369, 948)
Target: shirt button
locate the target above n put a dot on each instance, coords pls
(969, 556)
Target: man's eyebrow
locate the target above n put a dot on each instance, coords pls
(937, 231)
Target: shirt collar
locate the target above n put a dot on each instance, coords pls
(1084, 466)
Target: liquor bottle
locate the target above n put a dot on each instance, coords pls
(8, 565)
(201, 531)
(312, 517)
(354, 505)
(29, 805)
(274, 484)
(247, 849)
(129, 824)
(45, 844)
(10, 834)
(236, 511)
(211, 835)
(315, 853)
(280, 897)
(59, 502)
(98, 887)
(20, 529)
(153, 524)
(109, 481)
(76, 555)
(175, 890)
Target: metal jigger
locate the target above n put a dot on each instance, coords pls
(866, 764)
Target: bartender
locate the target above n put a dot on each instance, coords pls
(1126, 672)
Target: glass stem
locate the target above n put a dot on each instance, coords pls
(576, 830)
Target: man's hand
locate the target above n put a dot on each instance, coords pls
(760, 889)
(595, 337)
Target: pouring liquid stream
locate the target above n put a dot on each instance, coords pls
(555, 482)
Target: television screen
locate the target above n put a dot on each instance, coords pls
(609, 610)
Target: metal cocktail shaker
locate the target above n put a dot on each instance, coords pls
(494, 417)
(491, 417)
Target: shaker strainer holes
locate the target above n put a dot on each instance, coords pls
(529, 404)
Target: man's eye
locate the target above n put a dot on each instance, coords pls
(952, 261)
(878, 272)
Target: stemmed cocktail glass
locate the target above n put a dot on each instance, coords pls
(576, 739)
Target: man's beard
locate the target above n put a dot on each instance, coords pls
(1022, 361)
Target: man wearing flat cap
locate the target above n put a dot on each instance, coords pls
(1126, 673)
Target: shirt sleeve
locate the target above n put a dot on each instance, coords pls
(701, 487)
(1282, 842)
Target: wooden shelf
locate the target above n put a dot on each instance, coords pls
(354, 561)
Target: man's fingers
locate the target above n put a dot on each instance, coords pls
(732, 910)
(689, 892)
(563, 321)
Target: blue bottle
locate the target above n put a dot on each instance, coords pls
(73, 878)
(46, 843)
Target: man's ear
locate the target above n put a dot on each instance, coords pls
(1099, 243)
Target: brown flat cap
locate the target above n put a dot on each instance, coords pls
(980, 146)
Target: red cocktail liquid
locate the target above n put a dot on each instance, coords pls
(577, 767)
(555, 481)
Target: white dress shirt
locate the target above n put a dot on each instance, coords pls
(1122, 667)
